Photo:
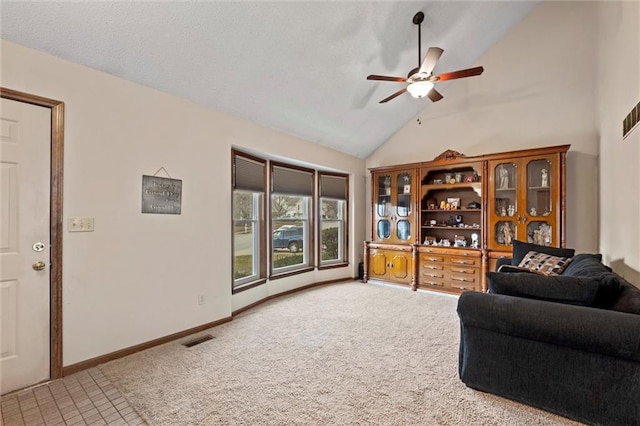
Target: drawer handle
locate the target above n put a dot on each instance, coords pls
(462, 288)
(432, 267)
(464, 280)
(431, 283)
(432, 275)
(462, 271)
(462, 262)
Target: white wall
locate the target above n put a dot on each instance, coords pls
(538, 89)
(618, 69)
(138, 276)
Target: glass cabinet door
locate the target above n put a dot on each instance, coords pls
(539, 187)
(383, 207)
(384, 195)
(403, 205)
(505, 204)
(540, 180)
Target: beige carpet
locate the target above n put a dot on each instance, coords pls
(341, 354)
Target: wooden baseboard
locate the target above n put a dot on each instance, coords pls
(83, 365)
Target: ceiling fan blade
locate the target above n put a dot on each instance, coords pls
(469, 72)
(434, 95)
(398, 93)
(430, 60)
(386, 78)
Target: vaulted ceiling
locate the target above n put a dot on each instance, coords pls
(298, 67)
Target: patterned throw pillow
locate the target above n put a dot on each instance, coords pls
(544, 264)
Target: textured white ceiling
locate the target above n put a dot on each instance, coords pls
(299, 67)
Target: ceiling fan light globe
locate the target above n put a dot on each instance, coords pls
(419, 89)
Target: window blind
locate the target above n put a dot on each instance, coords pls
(333, 186)
(292, 181)
(248, 174)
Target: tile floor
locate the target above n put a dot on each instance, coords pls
(84, 398)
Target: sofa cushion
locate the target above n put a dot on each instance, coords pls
(520, 249)
(544, 264)
(629, 299)
(553, 288)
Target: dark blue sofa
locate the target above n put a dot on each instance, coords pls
(568, 344)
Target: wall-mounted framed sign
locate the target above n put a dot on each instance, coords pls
(161, 195)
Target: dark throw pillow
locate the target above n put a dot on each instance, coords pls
(520, 250)
(552, 288)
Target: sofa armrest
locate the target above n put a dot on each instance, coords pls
(589, 329)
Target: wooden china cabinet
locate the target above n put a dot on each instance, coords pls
(441, 224)
(526, 200)
(394, 225)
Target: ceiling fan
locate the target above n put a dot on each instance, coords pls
(421, 80)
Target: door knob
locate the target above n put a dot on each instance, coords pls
(38, 266)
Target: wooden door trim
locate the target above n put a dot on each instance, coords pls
(56, 181)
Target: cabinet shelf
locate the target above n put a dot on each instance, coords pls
(458, 228)
(540, 188)
(474, 185)
(451, 211)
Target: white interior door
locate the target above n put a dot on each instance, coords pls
(25, 151)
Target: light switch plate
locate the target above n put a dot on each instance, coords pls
(80, 224)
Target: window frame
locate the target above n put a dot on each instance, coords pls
(259, 258)
(275, 273)
(338, 263)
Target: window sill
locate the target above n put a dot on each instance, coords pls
(333, 265)
(290, 273)
(247, 286)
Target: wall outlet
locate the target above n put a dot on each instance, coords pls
(201, 299)
(80, 224)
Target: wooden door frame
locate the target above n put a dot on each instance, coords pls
(57, 166)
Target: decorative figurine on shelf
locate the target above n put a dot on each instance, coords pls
(473, 205)
(459, 241)
(407, 184)
(459, 220)
(458, 177)
(507, 233)
(386, 186)
(533, 211)
(503, 211)
(443, 205)
(475, 242)
(544, 177)
(537, 237)
(545, 232)
(503, 173)
(511, 210)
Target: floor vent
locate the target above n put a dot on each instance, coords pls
(198, 340)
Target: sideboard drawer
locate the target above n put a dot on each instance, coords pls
(431, 258)
(467, 261)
